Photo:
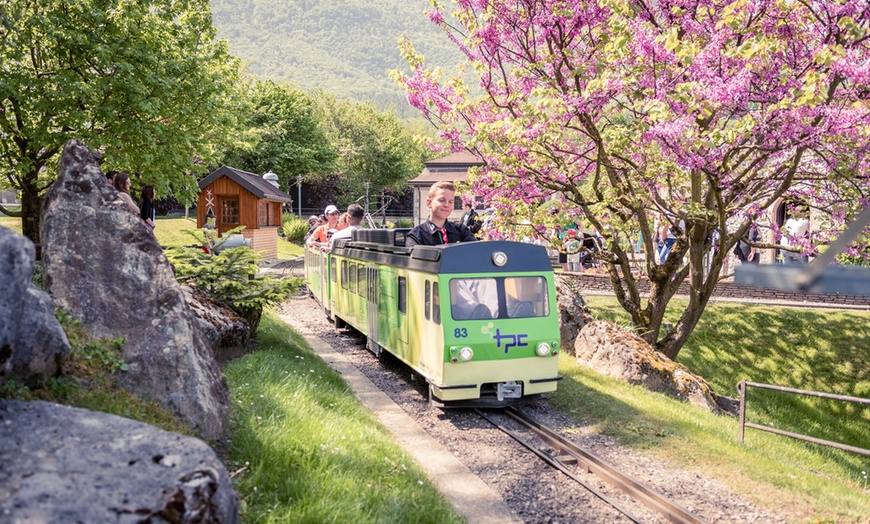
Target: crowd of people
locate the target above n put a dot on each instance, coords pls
(332, 225)
(579, 246)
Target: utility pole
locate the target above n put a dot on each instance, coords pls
(299, 193)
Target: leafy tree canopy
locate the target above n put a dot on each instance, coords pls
(701, 113)
(374, 147)
(145, 82)
(287, 137)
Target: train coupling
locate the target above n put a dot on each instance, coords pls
(510, 389)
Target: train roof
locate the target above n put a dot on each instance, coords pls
(387, 246)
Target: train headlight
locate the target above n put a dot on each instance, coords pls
(466, 354)
(499, 258)
(543, 349)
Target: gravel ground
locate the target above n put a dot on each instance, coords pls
(531, 488)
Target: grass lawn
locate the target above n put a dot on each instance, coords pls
(308, 451)
(12, 223)
(823, 350)
(172, 232)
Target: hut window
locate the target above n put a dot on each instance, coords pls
(230, 212)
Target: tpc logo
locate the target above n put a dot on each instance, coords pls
(510, 340)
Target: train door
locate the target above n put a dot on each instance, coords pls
(327, 273)
(372, 292)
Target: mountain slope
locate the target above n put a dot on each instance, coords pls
(345, 47)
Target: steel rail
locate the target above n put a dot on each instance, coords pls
(636, 489)
(561, 466)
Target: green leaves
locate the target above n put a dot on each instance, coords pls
(230, 276)
(145, 82)
(285, 134)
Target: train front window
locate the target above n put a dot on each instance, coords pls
(526, 297)
(502, 297)
(473, 298)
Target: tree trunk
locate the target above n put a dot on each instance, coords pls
(31, 209)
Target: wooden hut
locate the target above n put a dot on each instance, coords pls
(238, 198)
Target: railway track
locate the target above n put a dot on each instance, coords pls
(578, 464)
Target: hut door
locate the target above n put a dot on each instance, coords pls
(228, 213)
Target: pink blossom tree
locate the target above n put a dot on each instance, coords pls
(696, 112)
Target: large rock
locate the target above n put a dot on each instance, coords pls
(103, 265)
(33, 345)
(573, 314)
(613, 351)
(227, 333)
(63, 464)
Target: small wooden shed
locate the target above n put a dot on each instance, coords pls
(238, 198)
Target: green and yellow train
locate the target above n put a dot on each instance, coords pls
(477, 320)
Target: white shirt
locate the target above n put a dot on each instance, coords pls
(343, 233)
(795, 227)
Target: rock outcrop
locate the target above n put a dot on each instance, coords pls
(613, 351)
(63, 464)
(227, 333)
(33, 345)
(103, 265)
(573, 314)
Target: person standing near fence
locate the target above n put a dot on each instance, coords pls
(797, 228)
(745, 248)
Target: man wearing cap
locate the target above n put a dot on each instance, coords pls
(320, 237)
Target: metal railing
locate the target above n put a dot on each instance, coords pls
(741, 388)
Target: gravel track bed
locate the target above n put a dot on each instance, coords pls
(536, 492)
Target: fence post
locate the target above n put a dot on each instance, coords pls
(741, 389)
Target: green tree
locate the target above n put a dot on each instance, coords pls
(374, 146)
(288, 138)
(145, 82)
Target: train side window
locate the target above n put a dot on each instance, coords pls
(333, 269)
(428, 300)
(362, 281)
(436, 304)
(473, 298)
(344, 274)
(526, 297)
(402, 291)
(351, 273)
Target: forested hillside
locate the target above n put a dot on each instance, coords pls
(345, 47)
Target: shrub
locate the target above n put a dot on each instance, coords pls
(405, 223)
(294, 228)
(231, 278)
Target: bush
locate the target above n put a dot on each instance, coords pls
(404, 223)
(294, 228)
(231, 278)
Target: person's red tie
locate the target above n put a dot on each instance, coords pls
(443, 231)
